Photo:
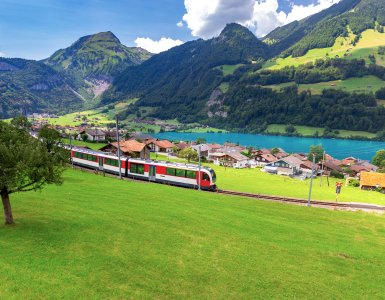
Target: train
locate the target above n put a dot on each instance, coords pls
(172, 173)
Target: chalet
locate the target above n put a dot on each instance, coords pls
(349, 161)
(281, 153)
(331, 165)
(204, 148)
(141, 137)
(372, 181)
(130, 148)
(182, 145)
(161, 146)
(289, 166)
(264, 159)
(307, 168)
(94, 135)
(230, 159)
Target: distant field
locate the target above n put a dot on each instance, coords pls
(368, 44)
(228, 69)
(204, 130)
(101, 238)
(311, 131)
(366, 84)
(93, 146)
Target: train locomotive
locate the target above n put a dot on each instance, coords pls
(178, 174)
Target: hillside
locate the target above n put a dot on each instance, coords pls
(28, 86)
(322, 29)
(96, 59)
(179, 81)
(166, 242)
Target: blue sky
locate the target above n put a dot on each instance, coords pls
(36, 28)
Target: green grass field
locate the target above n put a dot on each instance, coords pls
(257, 182)
(101, 238)
(366, 84)
(342, 47)
(93, 146)
(311, 131)
(228, 69)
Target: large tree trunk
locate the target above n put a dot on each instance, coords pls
(7, 207)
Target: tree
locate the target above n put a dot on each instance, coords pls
(290, 129)
(274, 151)
(21, 122)
(26, 164)
(84, 137)
(200, 140)
(318, 151)
(189, 153)
(49, 137)
(379, 159)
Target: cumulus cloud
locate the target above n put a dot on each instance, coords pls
(157, 46)
(179, 24)
(206, 18)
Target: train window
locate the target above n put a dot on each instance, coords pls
(112, 162)
(137, 168)
(190, 174)
(170, 171)
(180, 173)
(205, 177)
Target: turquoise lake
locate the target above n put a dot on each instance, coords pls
(335, 147)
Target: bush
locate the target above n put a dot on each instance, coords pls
(355, 183)
(336, 174)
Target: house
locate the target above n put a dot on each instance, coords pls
(331, 165)
(372, 181)
(363, 166)
(204, 150)
(349, 161)
(264, 159)
(182, 145)
(141, 137)
(289, 166)
(230, 159)
(130, 148)
(307, 168)
(161, 146)
(94, 135)
(280, 154)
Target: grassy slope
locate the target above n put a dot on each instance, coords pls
(311, 131)
(366, 84)
(368, 44)
(98, 237)
(255, 181)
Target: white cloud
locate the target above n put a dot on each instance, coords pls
(2, 54)
(206, 19)
(179, 24)
(157, 46)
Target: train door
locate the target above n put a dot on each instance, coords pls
(152, 173)
(100, 163)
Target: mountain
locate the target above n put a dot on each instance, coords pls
(96, 60)
(322, 29)
(179, 81)
(29, 86)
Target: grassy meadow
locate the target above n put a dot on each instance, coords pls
(366, 84)
(368, 44)
(98, 237)
(311, 131)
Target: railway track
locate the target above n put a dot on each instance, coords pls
(327, 204)
(288, 200)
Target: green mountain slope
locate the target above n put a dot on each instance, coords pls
(322, 29)
(179, 81)
(96, 59)
(30, 86)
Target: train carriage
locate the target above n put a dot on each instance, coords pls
(186, 175)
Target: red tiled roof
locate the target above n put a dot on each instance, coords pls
(164, 144)
(130, 146)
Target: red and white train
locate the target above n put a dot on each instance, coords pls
(186, 175)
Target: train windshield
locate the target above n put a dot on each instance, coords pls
(213, 175)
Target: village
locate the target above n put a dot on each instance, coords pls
(275, 161)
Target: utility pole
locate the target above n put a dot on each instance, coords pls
(311, 181)
(72, 161)
(322, 167)
(199, 167)
(117, 139)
